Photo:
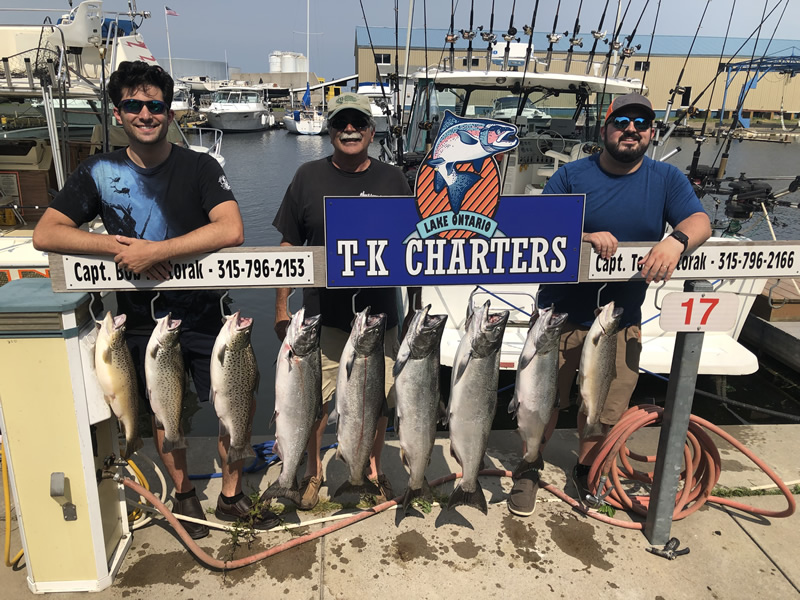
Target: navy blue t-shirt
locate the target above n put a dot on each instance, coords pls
(158, 203)
(633, 208)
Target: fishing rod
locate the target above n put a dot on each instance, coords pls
(451, 37)
(630, 50)
(614, 44)
(678, 89)
(553, 38)
(574, 40)
(490, 38)
(747, 86)
(598, 34)
(702, 136)
(469, 35)
(646, 65)
(529, 32)
(510, 35)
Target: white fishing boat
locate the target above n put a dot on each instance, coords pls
(306, 120)
(505, 108)
(572, 104)
(238, 108)
(380, 104)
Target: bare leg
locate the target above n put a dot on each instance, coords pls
(314, 461)
(174, 462)
(377, 449)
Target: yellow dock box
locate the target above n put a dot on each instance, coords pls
(57, 431)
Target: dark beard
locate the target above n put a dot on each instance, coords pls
(626, 156)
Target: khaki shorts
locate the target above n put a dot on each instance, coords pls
(629, 348)
(332, 341)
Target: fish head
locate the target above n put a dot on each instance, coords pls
(425, 332)
(113, 329)
(168, 330)
(486, 329)
(547, 328)
(303, 334)
(609, 318)
(367, 332)
(499, 137)
(237, 331)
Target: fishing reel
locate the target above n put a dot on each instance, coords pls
(576, 41)
(450, 38)
(487, 36)
(467, 35)
(553, 37)
(631, 50)
(510, 36)
(599, 35)
(527, 30)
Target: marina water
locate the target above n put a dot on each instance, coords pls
(261, 165)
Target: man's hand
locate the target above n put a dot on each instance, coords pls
(603, 243)
(142, 256)
(659, 264)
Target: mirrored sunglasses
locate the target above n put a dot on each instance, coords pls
(639, 123)
(156, 107)
(358, 122)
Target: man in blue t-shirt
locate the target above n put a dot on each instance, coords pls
(629, 197)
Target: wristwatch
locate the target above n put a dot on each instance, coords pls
(682, 238)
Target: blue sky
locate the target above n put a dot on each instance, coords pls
(248, 30)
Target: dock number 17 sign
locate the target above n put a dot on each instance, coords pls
(699, 311)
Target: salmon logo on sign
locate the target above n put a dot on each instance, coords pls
(458, 183)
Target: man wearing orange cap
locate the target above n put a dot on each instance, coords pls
(629, 197)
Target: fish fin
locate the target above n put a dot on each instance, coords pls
(401, 360)
(525, 359)
(475, 499)
(221, 354)
(159, 424)
(435, 162)
(105, 356)
(461, 367)
(467, 138)
(459, 188)
(477, 164)
(237, 454)
(438, 182)
(351, 360)
(513, 406)
(350, 488)
(333, 417)
(274, 418)
(449, 120)
(441, 413)
(411, 494)
(154, 350)
(169, 446)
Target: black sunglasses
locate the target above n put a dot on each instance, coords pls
(358, 122)
(156, 107)
(639, 123)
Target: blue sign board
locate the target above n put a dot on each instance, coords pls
(379, 241)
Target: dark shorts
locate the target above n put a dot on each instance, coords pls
(196, 348)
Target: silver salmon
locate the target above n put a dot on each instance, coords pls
(298, 400)
(166, 380)
(473, 400)
(360, 396)
(536, 388)
(416, 378)
(234, 382)
(598, 367)
(114, 367)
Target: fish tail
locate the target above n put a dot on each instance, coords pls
(423, 492)
(236, 454)
(276, 490)
(592, 430)
(132, 446)
(475, 499)
(169, 445)
(365, 487)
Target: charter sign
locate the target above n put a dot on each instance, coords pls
(456, 229)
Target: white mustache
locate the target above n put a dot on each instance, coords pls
(350, 137)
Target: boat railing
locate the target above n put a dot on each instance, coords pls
(28, 70)
(208, 137)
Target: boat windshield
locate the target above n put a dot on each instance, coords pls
(235, 96)
(510, 102)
